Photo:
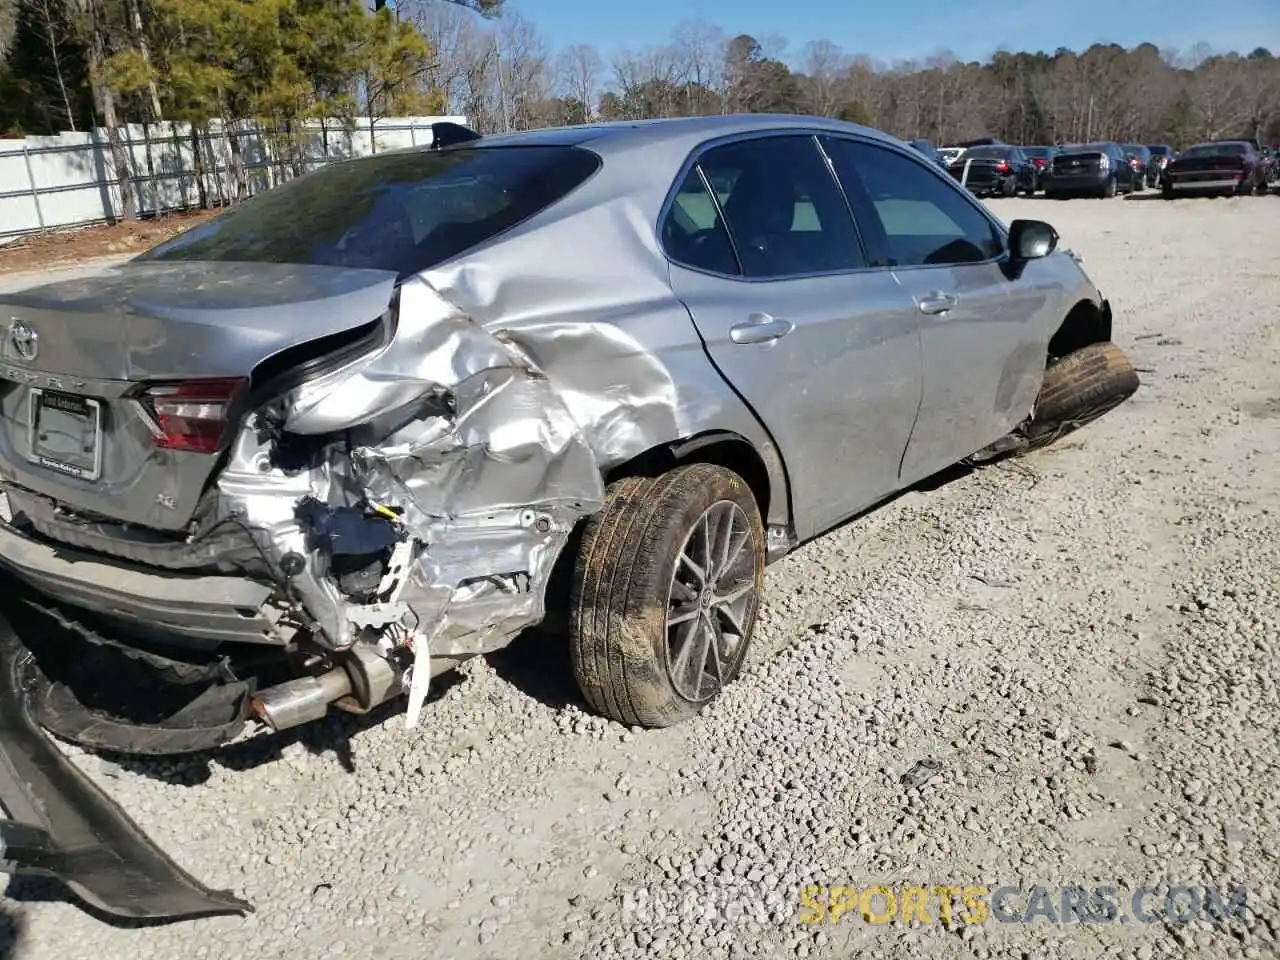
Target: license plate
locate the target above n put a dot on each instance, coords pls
(66, 433)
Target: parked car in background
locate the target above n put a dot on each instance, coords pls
(1271, 164)
(950, 154)
(982, 142)
(1089, 169)
(1223, 167)
(928, 149)
(1040, 158)
(1142, 163)
(990, 170)
(338, 440)
(1161, 153)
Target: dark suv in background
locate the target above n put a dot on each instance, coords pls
(1161, 155)
(1040, 158)
(995, 169)
(1094, 169)
(1142, 162)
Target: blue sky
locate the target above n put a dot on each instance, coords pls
(918, 28)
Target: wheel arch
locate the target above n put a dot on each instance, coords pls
(1087, 322)
(764, 474)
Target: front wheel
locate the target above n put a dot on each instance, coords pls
(1079, 389)
(665, 594)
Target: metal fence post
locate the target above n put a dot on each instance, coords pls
(31, 181)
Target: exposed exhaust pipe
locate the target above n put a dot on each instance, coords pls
(300, 701)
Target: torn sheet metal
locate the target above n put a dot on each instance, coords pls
(461, 436)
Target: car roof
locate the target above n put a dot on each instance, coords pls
(667, 131)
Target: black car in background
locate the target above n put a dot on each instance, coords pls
(1090, 169)
(1162, 154)
(995, 169)
(1142, 163)
(1040, 158)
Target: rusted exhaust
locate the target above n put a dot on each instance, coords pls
(300, 701)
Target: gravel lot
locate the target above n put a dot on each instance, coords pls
(1084, 640)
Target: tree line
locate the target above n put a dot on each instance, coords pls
(78, 64)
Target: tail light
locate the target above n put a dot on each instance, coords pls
(1002, 166)
(190, 416)
(1135, 163)
(1164, 162)
(1104, 163)
(1038, 161)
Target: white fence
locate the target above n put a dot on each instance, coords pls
(67, 180)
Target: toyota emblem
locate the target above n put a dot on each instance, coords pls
(25, 341)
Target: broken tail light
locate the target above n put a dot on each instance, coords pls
(190, 416)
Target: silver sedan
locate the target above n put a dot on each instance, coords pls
(387, 416)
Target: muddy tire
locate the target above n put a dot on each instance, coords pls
(665, 595)
(1079, 389)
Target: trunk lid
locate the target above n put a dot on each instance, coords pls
(1231, 163)
(1072, 163)
(77, 353)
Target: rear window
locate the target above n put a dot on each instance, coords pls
(399, 211)
(1216, 150)
(998, 153)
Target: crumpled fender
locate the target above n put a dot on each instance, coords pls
(460, 432)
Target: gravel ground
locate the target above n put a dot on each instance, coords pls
(1082, 642)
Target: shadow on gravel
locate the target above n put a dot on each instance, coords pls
(537, 662)
(11, 927)
(332, 735)
(33, 889)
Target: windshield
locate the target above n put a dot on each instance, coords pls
(403, 211)
(1037, 151)
(1215, 150)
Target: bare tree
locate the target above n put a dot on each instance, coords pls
(827, 67)
(579, 72)
(51, 15)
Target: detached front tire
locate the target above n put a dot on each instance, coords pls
(1080, 388)
(666, 592)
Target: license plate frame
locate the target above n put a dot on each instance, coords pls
(88, 408)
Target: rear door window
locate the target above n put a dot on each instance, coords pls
(693, 233)
(782, 207)
(399, 211)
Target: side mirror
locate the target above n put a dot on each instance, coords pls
(1031, 239)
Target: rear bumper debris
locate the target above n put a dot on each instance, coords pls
(61, 825)
(200, 609)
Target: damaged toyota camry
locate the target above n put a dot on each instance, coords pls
(317, 450)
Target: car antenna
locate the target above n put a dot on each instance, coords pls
(446, 134)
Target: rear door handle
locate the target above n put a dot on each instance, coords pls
(760, 328)
(936, 303)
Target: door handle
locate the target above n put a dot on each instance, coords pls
(760, 328)
(936, 303)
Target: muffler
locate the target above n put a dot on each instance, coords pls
(295, 702)
(364, 680)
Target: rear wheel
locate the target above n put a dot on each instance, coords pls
(1111, 188)
(1079, 389)
(666, 593)
(1009, 186)
(1166, 190)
